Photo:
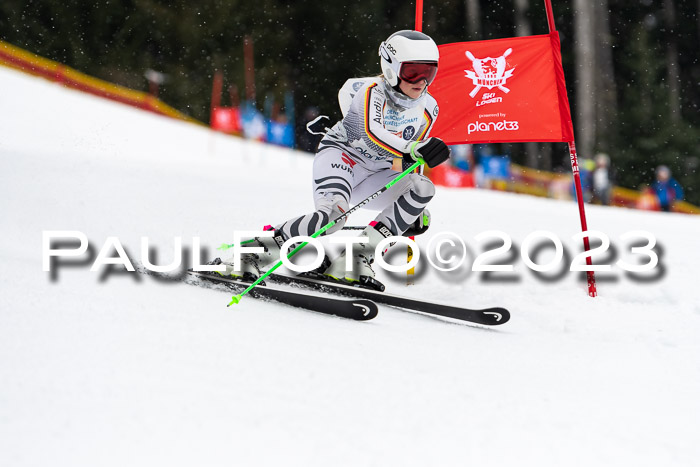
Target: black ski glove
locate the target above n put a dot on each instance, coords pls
(433, 151)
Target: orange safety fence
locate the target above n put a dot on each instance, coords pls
(549, 184)
(20, 59)
(553, 185)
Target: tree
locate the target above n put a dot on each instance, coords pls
(673, 74)
(605, 86)
(585, 76)
(473, 19)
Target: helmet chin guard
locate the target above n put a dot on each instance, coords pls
(408, 46)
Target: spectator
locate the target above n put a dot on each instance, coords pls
(461, 156)
(586, 167)
(647, 200)
(667, 189)
(602, 180)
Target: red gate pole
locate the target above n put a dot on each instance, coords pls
(419, 15)
(577, 177)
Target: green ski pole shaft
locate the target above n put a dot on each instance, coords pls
(237, 298)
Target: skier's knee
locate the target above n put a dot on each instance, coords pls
(333, 205)
(422, 187)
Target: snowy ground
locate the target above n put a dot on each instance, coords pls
(121, 370)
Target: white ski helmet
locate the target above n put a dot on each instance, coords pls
(409, 56)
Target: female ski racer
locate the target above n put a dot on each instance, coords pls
(384, 118)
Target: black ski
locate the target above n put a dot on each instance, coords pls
(487, 316)
(361, 306)
(356, 308)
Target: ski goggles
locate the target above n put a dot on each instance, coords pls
(413, 72)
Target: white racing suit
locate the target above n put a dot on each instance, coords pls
(355, 157)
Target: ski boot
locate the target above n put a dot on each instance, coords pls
(419, 226)
(252, 264)
(361, 273)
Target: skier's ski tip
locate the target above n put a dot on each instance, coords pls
(366, 309)
(495, 316)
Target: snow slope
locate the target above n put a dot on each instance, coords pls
(118, 369)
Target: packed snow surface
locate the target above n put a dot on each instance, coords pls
(112, 368)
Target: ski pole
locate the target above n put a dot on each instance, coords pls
(419, 162)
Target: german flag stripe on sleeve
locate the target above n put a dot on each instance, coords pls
(372, 136)
(428, 123)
